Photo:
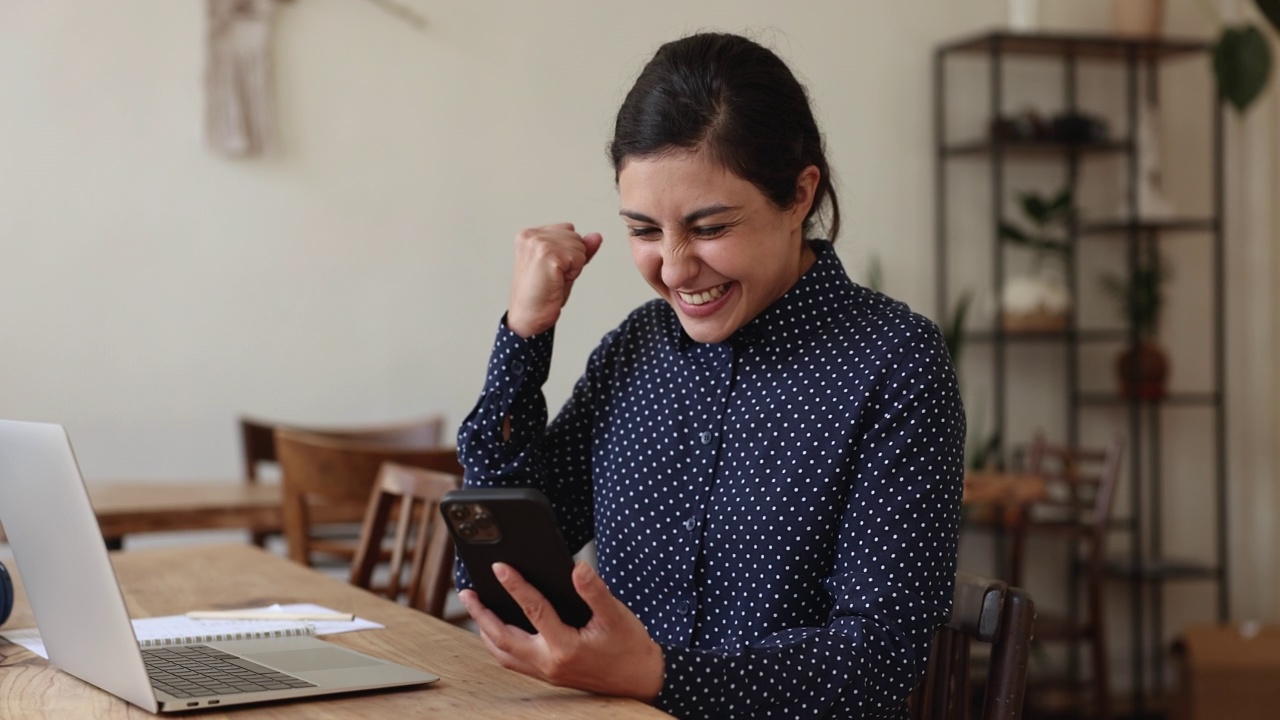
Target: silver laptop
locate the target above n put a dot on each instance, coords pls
(81, 615)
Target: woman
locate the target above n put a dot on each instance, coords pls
(769, 456)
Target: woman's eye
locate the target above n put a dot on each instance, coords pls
(642, 231)
(708, 231)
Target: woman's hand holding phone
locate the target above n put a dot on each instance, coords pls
(610, 655)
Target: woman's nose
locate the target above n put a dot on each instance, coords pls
(679, 267)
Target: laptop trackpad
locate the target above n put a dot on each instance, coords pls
(295, 661)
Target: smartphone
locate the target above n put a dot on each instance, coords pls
(515, 526)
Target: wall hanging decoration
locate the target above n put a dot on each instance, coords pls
(239, 75)
(239, 108)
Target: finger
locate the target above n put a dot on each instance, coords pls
(486, 620)
(594, 592)
(509, 661)
(593, 242)
(510, 639)
(541, 614)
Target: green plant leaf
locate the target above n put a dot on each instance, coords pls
(1242, 64)
(1061, 203)
(953, 335)
(1035, 207)
(1270, 8)
(1014, 233)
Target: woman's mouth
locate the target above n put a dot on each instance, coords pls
(704, 297)
(705, 303)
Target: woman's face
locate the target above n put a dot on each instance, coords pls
(710, 243)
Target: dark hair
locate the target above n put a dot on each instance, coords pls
(736, 100)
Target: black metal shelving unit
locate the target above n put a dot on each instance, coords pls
(1145, 570)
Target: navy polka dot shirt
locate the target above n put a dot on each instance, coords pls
(779, 509)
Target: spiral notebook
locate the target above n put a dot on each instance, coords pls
(181, 630)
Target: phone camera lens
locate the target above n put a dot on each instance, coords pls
(483, 521)
(459, 512)
(467, 530)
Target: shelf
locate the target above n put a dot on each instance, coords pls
(1099, 335)
(1088, 45)
(1031, 148)
(1206, 399)
(1148, 226)
(1162, 570)
(1091, 392)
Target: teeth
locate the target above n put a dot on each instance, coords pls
(705, 296)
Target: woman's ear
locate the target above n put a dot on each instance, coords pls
(806, 190)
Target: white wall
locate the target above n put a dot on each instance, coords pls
(151, 290)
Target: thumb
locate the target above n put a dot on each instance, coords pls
(591, 588)
(593, 242)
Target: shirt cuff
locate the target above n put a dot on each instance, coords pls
(700, 683)
(516, 361)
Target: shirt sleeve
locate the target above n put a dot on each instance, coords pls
(893, 575)
(506, 442)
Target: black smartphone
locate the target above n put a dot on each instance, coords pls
(515, 526)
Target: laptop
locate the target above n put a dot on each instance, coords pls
(80, 611)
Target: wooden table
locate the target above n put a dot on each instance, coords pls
(173, 580)
(128, 508)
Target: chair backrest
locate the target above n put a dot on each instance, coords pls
(985, 611)
(413, 494)
(258, 438)
(1082, 486)
(327, 479)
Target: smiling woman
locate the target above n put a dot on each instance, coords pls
(768, 456)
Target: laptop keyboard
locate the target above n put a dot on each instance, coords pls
(188, 671)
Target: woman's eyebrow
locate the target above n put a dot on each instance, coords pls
(689, 219)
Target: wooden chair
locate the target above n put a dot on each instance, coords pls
(984, 611)
(328, 479)
(1082, 487)
(414, 495)
(258, 442)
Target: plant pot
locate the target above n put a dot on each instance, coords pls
(1137, 18)
(1144, 372)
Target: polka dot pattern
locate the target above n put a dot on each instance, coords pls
(780, 509)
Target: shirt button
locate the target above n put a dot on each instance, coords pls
(690, 524)
(705, 437)
(683, 607)
(517, 367)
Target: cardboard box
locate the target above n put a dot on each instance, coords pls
(1227, 673)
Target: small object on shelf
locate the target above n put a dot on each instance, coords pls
(1152, 203)
(1144, 372)
(1137, 18)
(1026, 125)
(1036, 321)
(1143, 367)
(1024, 15)
(1029, 125)
(1034, 304)
(1077, 128)
(1039, 301)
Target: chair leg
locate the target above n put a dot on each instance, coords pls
(1101, 681)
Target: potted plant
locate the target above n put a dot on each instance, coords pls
(1039, 301)
(1242, 53)
(1143, 368)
